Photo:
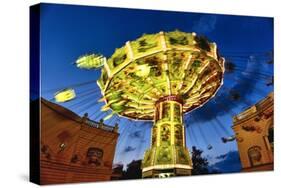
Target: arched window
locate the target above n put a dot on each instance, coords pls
(255, 156)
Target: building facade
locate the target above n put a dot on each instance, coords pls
(254, 135)
(74, 149)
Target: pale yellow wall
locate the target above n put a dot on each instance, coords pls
(248, 139)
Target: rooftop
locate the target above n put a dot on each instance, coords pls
(75, 117)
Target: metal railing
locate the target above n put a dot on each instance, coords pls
(100, 125)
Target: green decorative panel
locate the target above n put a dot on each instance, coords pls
(163, 155)
(179, 39)
(145, 44)
(178, 135)
(165, 134)
(182, 155)
(177, 113)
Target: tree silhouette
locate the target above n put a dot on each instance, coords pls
(200, 164)
(133, 170)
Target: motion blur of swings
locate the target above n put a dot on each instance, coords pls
(65, 95)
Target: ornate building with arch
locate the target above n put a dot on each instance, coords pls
(73, 148)
(254, 135)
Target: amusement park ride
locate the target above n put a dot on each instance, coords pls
(159, 77)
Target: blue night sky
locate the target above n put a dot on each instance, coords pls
(68, 32)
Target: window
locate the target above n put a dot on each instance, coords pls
(94, 156)
(255, 156)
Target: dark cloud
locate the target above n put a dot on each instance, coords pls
(223, 156)
(129, 149)
(136, 134)
(206, 24)
(229, 163)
